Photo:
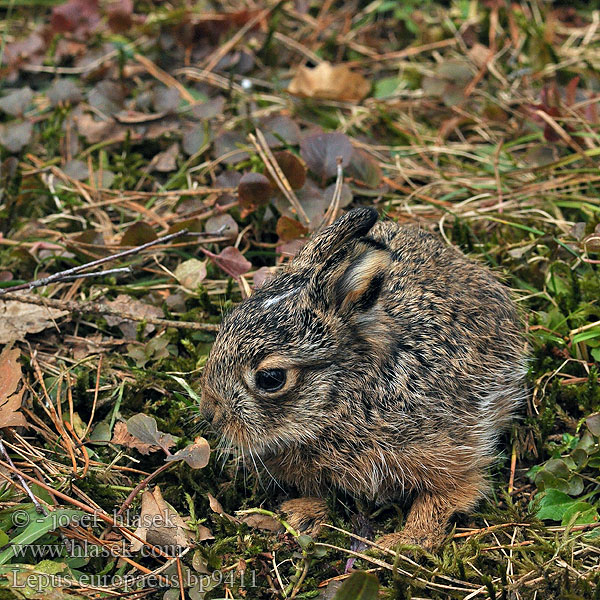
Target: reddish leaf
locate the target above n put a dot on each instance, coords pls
(254, 190)
(290, 229)
(321, 151)
(231, 260)
(292, 167)
(76, 16)
(120, 16)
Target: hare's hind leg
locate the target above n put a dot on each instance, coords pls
(306, 515)
(429, 514)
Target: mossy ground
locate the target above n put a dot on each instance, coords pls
(482, 124)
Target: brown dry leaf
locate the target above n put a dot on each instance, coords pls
(160, 525)
(165, 161)
(290, 229)
(264, 522)
(123, 438)
(96, 131)
(10, 399)
(196, 455)
(127, 304)
(216, 507)
(17, 319)
(329, 82)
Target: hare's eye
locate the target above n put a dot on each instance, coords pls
(270, 380)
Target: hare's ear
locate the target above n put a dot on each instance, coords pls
(360, 284)
(354, 224)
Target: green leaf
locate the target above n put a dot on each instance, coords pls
(359, 586)
(587, 514)
(186, 386)
(40, 526)
(554, 504)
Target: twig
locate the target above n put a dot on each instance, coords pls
(38, 507)
(69, 272)
(262, 147)
(103, 309)
(334, 205)
(98, 273)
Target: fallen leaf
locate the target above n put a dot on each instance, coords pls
(320, 152)
(290, 229)
(165, 161)
(193, 138)
(120, 15)
(16, 135)
(191, 273)
(75, 16)
(254, 190)
(108, 97)
(127, 304)
(10, 398)
(122, 437)
(364, 168)
(196, 455)
(96, 131)
(76, 169)
(293, 168)
(280, 130)
(231, 260)
(17, 319)
(137, 234)
(222, 225)
(216, 507)
(329, 82)
(229, 148)
(262, 275)
(144, 428)
(63, 91)
(21, 50)
(264, 522)
(165, 99)
(160, 525)
(16, 101)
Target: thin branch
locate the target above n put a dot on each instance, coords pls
(70, 272)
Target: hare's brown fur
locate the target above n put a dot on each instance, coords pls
(403, 362)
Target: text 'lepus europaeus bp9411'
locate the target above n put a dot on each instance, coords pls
(380, 362)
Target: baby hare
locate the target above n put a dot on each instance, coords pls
(380, 362)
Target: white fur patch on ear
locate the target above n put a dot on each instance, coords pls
(362, 281)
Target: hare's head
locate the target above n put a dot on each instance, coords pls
(288, 359)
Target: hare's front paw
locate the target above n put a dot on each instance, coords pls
(306, 515)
